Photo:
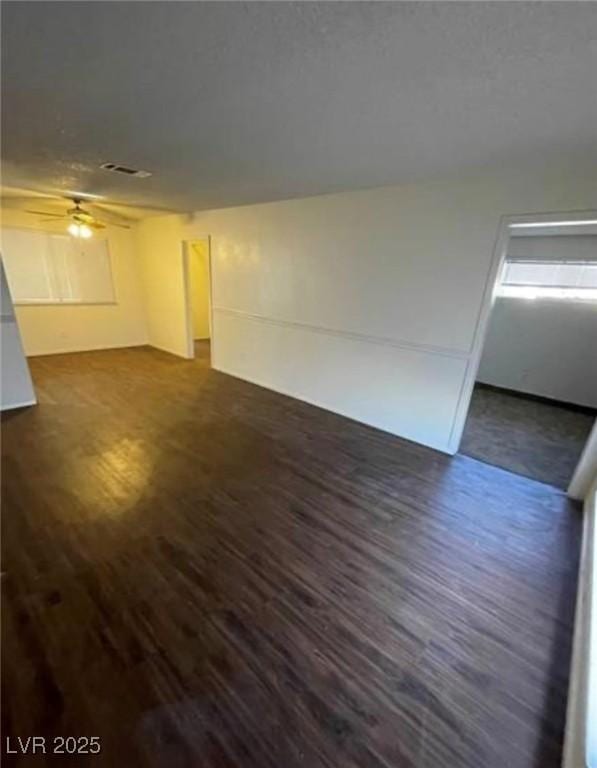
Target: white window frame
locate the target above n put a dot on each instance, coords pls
(64, 301)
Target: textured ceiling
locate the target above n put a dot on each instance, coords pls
(232, 103)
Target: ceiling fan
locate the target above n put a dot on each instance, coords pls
(82, 223)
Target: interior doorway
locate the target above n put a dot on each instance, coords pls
(533, 397)
(197, 261)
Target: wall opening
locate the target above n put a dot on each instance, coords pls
(197, 272)
(533, 397)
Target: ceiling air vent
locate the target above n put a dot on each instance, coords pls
(124, 169)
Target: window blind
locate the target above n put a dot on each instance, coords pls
(48, 268)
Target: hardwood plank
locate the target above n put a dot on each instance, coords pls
(203, 572)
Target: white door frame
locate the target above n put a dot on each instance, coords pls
(487, 303)
(190, 343)
(586, 469)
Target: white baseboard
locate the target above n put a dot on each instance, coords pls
(100, 348)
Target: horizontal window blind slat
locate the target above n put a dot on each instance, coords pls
(550, 274)
(50, 268)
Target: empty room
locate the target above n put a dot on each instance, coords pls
(535, 398)
(298, 343)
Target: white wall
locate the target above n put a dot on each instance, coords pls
(543, 347)
(72, 328)
(16, 388)
(159, 244)
(198, 255)
(366, 303)
(585, 473)
(581, 247)
(580, 744)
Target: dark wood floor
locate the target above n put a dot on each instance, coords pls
(533, 437)
(204, 573)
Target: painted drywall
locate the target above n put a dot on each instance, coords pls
(580, 744)
(52, 329)
(199, 287)
(16, 388)
(558, 247)
(591, 733)
(543, 347)
(366, 303)
(585, 474)
(159, 243)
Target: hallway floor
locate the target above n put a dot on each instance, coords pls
(202, 572)
(537, 439)
(203, 350)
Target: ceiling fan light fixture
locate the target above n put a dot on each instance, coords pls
(79, 230)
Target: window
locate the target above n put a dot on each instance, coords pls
(45, 268)
(549, 279)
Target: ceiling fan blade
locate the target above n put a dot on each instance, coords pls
(96, 225)
(31, 199)
(9, 202)
(110, 217)
(81, 215)
(111, 205)
(122, 226)
(107, 212)
(48, 213)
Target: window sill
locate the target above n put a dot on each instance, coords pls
(65, 303)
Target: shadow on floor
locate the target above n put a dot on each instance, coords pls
(535, 438)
